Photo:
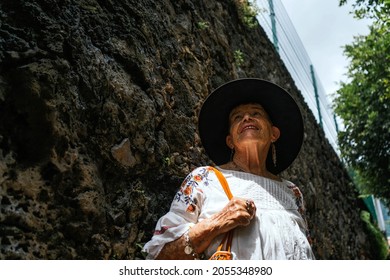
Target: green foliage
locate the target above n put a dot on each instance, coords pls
(363, 104)
(141, 254)
(369, 8)
(166, 162)
(238, 57)
(248, 11)
(203, 25)
(380, 249)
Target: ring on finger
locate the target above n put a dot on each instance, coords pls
(248, 205)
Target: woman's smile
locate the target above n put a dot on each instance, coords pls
(248, 126)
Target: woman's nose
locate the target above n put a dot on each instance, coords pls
(247, 117)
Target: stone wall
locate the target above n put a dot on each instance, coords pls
(98, 109)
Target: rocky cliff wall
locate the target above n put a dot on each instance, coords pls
(98, 110)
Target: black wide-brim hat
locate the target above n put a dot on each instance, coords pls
(281, 107)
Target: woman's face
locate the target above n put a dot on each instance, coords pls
(250, 123)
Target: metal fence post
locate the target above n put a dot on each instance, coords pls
(316, 94)
(273, 23)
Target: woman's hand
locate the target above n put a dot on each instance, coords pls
(238, 212)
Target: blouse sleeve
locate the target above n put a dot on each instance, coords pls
(184, 212)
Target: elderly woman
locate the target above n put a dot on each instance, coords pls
(252, 130)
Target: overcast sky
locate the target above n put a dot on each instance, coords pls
(324, 28)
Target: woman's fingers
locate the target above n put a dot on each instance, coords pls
(241, 211)
(238, 212)
(250, 207)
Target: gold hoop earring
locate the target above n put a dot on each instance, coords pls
(273, 148)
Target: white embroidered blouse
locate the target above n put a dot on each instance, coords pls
(279, 230)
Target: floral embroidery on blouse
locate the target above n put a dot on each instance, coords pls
(301, 208)
(190, 183)
(161, 231)
(298, 198)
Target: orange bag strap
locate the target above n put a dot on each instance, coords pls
(227, 239)
(223, 182)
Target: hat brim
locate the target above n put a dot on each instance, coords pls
(284, 112)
